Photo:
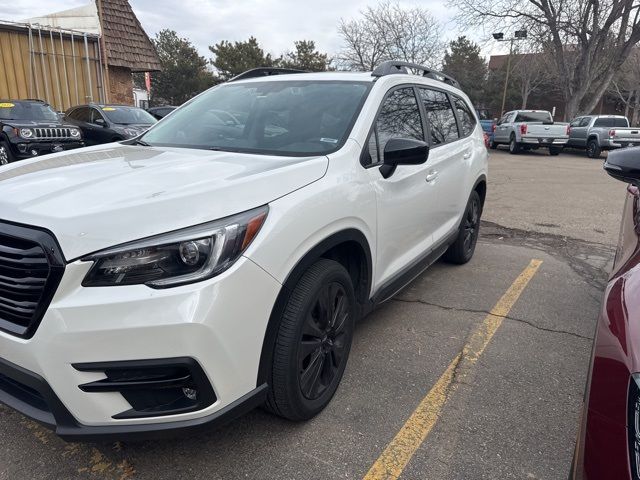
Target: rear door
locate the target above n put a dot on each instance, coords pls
(503, 129)
(81, 117)
(450, 124)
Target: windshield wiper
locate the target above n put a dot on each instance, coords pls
(140, 142)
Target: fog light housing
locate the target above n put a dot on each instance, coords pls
(22, 147)
(153, 388)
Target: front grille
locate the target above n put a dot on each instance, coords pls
(52, 133)
(31, 266)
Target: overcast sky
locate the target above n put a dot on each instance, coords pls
(275, 23)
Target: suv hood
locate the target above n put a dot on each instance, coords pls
(98, 197)
(37, 124)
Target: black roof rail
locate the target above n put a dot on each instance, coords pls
(391, 67)
(265, 72)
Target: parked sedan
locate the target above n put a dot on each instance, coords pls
(109, 123)
(609, 438)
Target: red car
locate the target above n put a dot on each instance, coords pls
(609, 437)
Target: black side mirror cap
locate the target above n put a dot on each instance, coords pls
(624, 165)
(403, 151)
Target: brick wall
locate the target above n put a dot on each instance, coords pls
(121, 83)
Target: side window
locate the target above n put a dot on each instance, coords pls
(576, 122)
(585, 122)
(442, 120)
(95, 115)
(399, 117)
(465, 117)
(83, 114)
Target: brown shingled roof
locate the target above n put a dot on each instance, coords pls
(126, 42)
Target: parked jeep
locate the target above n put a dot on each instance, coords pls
(29, 128)
(530, 130)
(596, 133)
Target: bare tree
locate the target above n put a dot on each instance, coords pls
(390, 32)
(531, 71)
(589, 40)
(626, 86)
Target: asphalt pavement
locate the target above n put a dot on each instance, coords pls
(420, 398)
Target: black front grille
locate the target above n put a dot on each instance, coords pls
(52, 133)
(31, 266)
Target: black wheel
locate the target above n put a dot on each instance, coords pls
(492, 144)
(593, 149)
(462, 249)
(313, 342)
(6, 157)
(514, 147)
(555, 151)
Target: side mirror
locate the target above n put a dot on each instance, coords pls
(403, 151)
(624, 165)
(100, 122)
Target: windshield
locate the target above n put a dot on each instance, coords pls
(533, 117)
(128, 115)
(611, 122)
(295, 118)
(38, 112)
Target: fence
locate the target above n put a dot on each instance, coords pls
(62, 67)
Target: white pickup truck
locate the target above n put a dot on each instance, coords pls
(529, 130)
(602, 132)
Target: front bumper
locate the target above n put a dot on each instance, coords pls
(219, 323)
(22, 149)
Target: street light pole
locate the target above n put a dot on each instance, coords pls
(519, 35)
(506, 78)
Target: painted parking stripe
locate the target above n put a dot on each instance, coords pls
(397, 454)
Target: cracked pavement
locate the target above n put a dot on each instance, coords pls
(514, 415)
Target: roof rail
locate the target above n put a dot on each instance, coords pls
(265, 72)
(391, 67)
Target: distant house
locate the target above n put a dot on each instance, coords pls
(76, 56)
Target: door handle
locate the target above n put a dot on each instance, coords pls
(466, 155)
(431, 176)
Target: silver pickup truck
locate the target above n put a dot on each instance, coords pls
(529, 130)
(602, 132)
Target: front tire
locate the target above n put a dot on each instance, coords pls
(514, 147)
(313, 342)
(593, 149)
(6, 157)
(462, 249)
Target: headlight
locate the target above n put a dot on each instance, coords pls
(130, 132)
(177, 258)
(74, 132)
(26, 133)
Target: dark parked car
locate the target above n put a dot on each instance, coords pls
(109, 123)
(161, 112)
(29, 128)
(609, 438)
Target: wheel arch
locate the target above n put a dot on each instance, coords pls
(480, 186)
(348, 247)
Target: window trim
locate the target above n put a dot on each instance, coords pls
(471, 111)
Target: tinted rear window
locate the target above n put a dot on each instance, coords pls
(611, 122)
(38, 112)
(533, 117)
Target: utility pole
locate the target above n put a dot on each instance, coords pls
(519, 35)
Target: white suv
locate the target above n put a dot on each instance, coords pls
(219, 261)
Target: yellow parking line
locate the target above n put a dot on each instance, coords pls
(396, 456)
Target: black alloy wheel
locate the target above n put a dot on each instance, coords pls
(463, 248)
(313, 342)
(322, 345)
(593, 149)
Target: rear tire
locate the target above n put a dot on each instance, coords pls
(555, 151)
(514, 147)
(593, 149)
(6, 157)
(492, 144)
(313, 342)
(461, 251)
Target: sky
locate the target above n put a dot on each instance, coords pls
(275, 23)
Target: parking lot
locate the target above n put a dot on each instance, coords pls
(475, 371)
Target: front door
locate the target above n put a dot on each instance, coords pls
(404, 200)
